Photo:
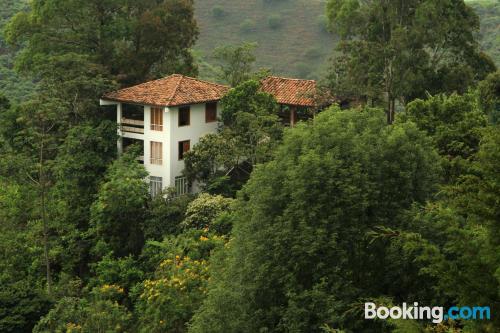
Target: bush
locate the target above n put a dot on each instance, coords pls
(313, 53)
(275, 21)
(247, 25)
(218, 11)
(322, 22)
(204, 210)
(302, 70)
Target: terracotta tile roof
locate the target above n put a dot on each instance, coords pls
(172, 90)
(290, 91)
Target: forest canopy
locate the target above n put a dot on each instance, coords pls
(388, 193)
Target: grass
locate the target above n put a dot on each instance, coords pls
(296, 45)
(291, 40)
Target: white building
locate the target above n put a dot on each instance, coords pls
(168, 116)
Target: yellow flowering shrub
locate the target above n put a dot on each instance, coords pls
(168, 301)
(179, 286)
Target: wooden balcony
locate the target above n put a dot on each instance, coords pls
(132, 126)
(132, 122)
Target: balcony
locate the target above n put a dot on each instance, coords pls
(132, 126)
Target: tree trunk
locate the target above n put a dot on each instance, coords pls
(42, 183)
(391, 110)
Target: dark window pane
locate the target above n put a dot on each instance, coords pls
(210, 112)
(184, 115)
(184, 147)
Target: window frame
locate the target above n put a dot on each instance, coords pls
(187, 109)
(181, 185)
(214, 110)
(156, 114)
(155, 185)
(180, 148)
(156, 147)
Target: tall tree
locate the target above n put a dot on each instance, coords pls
(489, 96)
(118, 214)
(249, 133)
(235, 62)
(397, 50)
(455, 123)
(130, 41)
(41, 123)
(299, 257)
(456, 240)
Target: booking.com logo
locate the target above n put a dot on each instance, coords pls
(436, 313)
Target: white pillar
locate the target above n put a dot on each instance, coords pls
(119, 143)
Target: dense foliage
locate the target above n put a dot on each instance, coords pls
(399, 51)
(250, 131)
(295, 228)
(300, 257)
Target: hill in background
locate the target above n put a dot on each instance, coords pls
(489, 13)
(11, 84)
(292, 35)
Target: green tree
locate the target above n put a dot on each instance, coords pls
(38, 133)
(127, 41)
(102, 312)
(203, 212)
(456, 240)
(22, 296)
(169, 298)
(166, 213)
(250, 132)
(397, 50)
(489, 96)
(455, 123)
(79, 168)
(236, 63)
(299, 257)
(118, 214)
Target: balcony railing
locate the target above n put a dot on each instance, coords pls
(132, 126)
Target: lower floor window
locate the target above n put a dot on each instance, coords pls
(184, 147)
(155, 186)
(181, 185)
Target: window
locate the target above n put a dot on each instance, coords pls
(155, 186)
(210, 112)
(184, 147)
(184, 115)
(156, 119)
(156, 153)
(181, 185)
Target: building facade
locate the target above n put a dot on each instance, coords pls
(167, 117)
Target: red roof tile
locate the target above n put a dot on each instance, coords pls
(290, 91)
(173, 90)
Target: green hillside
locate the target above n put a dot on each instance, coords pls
(11, 84)
(489, 12)
(291, 34)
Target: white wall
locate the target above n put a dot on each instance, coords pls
(193, 132)
(170, 137)
(157, 136)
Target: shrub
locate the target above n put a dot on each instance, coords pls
(322, 22)
(302, 69)
(313, 53)
(247, 25)
(204, 210)
(275, 21)
(218, 11)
